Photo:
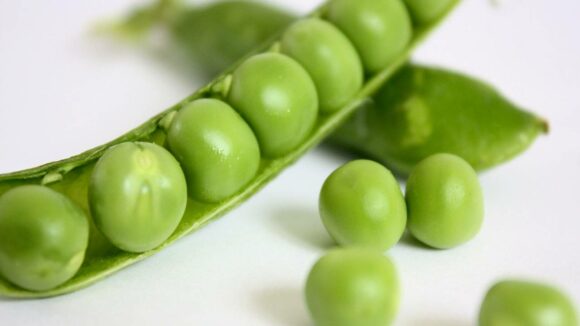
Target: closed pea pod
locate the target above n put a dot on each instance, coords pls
(43, 237)
(278, 99)
(524, 303)
(329, 58)
(444, 201)
(137, 195)
(217, 149)
(379, 29)
(361, 204)
(353, 286)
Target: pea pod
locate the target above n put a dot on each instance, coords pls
(423, 111)
(72, 176)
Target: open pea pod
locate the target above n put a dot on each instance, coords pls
(422, 111)
(71, 177)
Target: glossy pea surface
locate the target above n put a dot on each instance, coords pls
(278, 99)
(216, 147)
(361, 204)
(426, 11)
(379, 29)
(43, 237)
(330, 59)
(353, 286)
(137, 195)
(523, 303)
(444, 201)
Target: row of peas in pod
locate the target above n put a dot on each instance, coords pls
(138, 190)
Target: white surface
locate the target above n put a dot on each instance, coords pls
(62, 92)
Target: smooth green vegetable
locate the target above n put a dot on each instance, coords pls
(278, 99)
(522, 303)
(361, 204)
(72, 176)
(425, 11)
(379, 29)
(329, 57)
(217, 149)
(353, 286)
(423, 111)
(444, 201)
(137, 195)
(43, 237)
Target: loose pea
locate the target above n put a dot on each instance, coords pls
(361, 204)
(43, 237)
(521, 303)
(353, 286)
(444, 201)
(278, 99)
(379, 29)
(329, 58)
(426, 11)
(137, 195)
(217, 149)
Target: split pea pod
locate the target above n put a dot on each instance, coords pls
(420, 112)
(268, 123)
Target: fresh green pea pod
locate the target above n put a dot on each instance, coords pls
(423, 111)
(497, 130)
(71, 177)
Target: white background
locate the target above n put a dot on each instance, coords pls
(63, 91)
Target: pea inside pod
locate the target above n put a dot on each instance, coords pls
(43, 237)
(217, 149)
(329, 57)
(379, 29)
(425, 11)
(137, 195)
(278, 99)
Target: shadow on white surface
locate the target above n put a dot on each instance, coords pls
(301, 225)
(283, 305)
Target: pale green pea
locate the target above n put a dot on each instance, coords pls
(379, 29)
(43, 237)
(137, 195)
(444, 201)
(329, 58)
(353, 287)
(361, 204)
(216, 147)
(523, 303)
(277, 97)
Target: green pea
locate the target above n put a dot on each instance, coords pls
(43, 237)
(217, 149)
(353, 286)
(329, 58)
(426, 11)
(379, 29)
(137, 195)
(522, 303)
(361, 204)
(444, 201)
(278, 99)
